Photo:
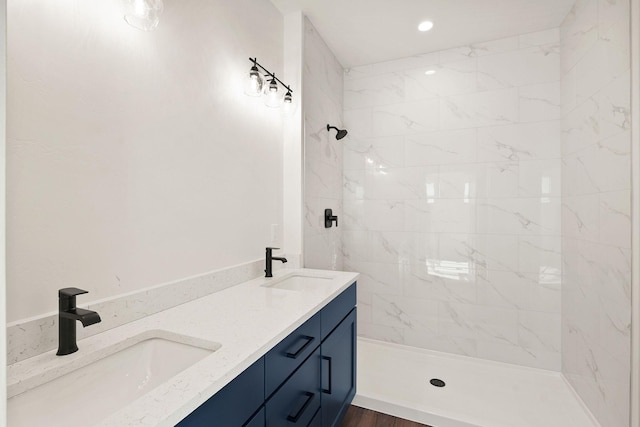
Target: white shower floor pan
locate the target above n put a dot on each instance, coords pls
(394, 379)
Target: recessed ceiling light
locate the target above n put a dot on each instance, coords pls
(430, 72)
(425, 26)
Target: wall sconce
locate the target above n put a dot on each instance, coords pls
(143, 14)
(257, 86)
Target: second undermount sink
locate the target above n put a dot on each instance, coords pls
(89, 394)
(298, 282)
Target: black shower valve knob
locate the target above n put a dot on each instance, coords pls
(329, 218)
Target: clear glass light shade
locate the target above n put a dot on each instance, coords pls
(272, 95)
(143, 14)
(288, 109)
(254, 83)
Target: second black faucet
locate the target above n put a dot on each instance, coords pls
(269, 262)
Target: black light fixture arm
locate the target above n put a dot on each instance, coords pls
(270, 74)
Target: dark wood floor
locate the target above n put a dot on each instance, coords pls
(360, 417)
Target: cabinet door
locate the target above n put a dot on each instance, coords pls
(338, 371)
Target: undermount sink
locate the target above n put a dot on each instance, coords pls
(298, 282)
(89, 394)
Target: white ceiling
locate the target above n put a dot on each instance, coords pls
(363, 32)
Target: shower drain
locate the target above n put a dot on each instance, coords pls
(437, 383)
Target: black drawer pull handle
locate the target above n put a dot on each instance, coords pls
(307, 402)
(295, 354)
(328, 390)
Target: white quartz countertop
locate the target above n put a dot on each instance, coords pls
(247, 320)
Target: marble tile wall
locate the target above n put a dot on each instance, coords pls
(322, 82)
(452, 199)
(596, 213)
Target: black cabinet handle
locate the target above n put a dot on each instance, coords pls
(307, 402)
(295, 354)
(328, 390)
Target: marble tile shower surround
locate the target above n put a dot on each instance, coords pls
(452, 199)
(30, 337)
(596, 207)
(322, 81)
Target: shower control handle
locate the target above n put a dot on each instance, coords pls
(329, 218)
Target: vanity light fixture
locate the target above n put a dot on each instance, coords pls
(143, 14)
(425, 26)
(257, 86)
(430, 72)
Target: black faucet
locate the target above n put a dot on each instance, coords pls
(68, 313)
(270, 258)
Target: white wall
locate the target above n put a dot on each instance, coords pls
(134, 158)
(293, 151)
(322, 83)
(596, 207)
(3, 284)
(452, 199)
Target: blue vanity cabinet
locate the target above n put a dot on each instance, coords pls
(234, 405)
(338, 354)
(308, 379)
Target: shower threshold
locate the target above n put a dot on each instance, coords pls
(395, 379)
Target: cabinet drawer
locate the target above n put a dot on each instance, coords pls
(337, 310)
(234, 404)
(298, 400)
(284, 358)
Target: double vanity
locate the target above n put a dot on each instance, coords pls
(268, 352)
